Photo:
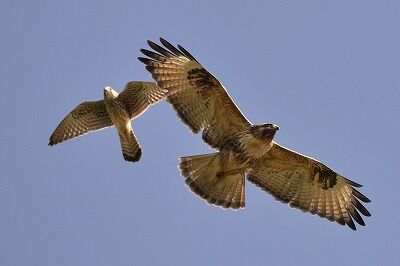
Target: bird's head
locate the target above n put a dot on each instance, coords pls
(110, 93)
(264, 131)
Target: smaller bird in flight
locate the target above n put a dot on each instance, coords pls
(115, 110)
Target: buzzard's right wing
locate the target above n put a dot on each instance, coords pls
(86, 117)
(197, 96)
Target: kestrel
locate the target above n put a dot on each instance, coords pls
(244, 150)
(115, 110)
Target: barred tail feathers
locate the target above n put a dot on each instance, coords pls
(204, 178)
(130, 147)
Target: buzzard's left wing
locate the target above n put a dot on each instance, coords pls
(309, 185)
(197, 96)
(139, 95)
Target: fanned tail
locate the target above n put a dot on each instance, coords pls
(205, 179)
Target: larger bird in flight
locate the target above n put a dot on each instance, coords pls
(115, 110)
(244, 150)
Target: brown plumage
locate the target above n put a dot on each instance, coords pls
(115, 110)
(244, 149)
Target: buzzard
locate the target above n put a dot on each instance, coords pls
(244, 150)
(115, 110)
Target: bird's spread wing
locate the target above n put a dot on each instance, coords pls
(197, 96)
(139, 95)
(86, 117)
(309, 185)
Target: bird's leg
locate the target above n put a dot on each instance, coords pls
(222, 174)
(229, 165)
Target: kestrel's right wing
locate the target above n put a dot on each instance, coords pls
(197, 96)
(139, 95)
(86, 117)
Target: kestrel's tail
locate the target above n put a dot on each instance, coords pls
(130, 147)
(205, 178)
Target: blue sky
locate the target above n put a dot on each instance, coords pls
(327, 72)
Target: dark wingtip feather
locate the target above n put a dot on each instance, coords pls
(159, 49)
(354, 184)
(360, 196)
(162, 40)
(150, 69)
(170, 47)
(360, 207)
(145, 60)
(155, 46)
(356, 216)
(53, 142)
(351, 224)
(144, 51)
(153, 55)
(189, 55)
(340, 220)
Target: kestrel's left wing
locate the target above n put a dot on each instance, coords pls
(309, 185)
(139, 95)
(86, 117)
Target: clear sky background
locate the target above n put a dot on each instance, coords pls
(327, 72)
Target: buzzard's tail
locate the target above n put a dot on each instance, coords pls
(205, 178)
(130, 147)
